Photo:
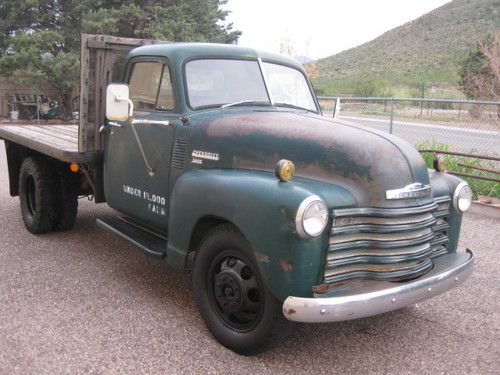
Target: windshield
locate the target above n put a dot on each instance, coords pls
(218, 82)
(228, 82)
(288, 86)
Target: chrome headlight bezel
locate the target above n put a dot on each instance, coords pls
(461, 189)
(307, 204)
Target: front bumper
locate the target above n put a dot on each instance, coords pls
(376, 297)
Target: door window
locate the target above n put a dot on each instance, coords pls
(165, 96)
(151, 86)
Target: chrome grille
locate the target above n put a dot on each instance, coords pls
(386, 244)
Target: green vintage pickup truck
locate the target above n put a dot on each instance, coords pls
(218, 159)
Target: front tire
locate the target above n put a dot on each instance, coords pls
(238, 309)
(37, 195)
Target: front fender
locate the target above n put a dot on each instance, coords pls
(264, 209)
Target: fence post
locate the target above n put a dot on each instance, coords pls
(336, 111)
(391, 121)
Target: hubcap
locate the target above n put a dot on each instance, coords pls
(236, 292)
(228, 290)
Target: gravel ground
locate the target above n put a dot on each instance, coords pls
(87, 302)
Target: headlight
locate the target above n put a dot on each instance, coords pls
(312, 217)
(462, 198)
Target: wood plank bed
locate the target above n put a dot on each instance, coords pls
(58, 141)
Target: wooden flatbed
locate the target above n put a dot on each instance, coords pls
(57, 141)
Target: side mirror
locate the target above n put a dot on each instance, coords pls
(119, 107)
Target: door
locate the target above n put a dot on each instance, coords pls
(137, 155)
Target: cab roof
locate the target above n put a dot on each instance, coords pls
(179, 52)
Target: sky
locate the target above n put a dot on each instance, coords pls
(320, 28)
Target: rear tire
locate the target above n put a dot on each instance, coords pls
(37, 195)
(238, 309)
(67, 200)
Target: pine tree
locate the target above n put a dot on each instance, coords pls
(40, 39)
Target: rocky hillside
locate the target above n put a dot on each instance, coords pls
(428, 49)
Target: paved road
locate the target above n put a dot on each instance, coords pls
(86, 302)
(460, 139)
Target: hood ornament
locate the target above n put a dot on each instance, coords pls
(416, 190)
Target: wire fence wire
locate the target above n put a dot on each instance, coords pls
(471, 127)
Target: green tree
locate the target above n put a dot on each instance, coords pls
(370, 86)
(40, 39)
(480, 71)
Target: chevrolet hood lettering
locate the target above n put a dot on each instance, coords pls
(416, 190)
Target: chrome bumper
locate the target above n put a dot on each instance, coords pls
(376, 297)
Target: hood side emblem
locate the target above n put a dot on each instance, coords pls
(416, 190)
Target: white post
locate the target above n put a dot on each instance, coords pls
(336, 112)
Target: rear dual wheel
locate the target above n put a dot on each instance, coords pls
(238, 309)
(48, 197)
(67, 201)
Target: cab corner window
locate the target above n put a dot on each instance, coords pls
(151, 87)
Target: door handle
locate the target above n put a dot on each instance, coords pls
(150, 122)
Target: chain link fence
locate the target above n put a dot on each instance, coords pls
(463, 126)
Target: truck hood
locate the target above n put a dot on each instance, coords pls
(364, 161)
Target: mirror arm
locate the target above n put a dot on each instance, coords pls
(130, 104)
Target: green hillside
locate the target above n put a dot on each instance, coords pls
(427, 51)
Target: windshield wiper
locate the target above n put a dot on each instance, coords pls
(224, 106)
(288, 105)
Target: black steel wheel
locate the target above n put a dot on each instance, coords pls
(37, 195)
(235, 291)
(238, 309)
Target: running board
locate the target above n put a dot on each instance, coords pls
(146, 240)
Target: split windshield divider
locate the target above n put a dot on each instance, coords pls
(266, 84)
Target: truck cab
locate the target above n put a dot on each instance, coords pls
(218, 159)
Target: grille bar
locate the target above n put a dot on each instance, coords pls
(440, 239)
(382, 225)
(438, 251)
(376, 256)
(386, 242)
(404, 271)
(385, 212)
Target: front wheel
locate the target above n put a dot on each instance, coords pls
(236, 306)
